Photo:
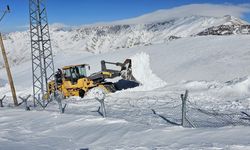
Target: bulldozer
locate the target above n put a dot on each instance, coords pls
(73, 80)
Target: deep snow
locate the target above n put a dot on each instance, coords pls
(53, 131)
(214, 69)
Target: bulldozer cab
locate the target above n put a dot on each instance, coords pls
(73, 73)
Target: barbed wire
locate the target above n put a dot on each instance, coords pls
(169, 107)
(212, 117)
(147, 109)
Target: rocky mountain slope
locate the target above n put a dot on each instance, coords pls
(233, 26)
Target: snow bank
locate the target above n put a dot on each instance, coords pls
(143, 73)
(240, 86)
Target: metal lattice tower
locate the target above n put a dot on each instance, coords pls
(42, 58)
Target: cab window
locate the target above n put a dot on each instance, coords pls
(75, 72)
(67, 74)
(82, 71)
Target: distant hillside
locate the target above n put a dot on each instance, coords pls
(115, 35)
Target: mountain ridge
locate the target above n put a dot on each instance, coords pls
(104, 38)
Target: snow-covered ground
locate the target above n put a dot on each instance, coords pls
(213, 68)
(49, 130)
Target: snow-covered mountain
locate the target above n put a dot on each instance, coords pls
(232, 26)
(99, 38)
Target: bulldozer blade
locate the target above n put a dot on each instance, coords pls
(125, 72)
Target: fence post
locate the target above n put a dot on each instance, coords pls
(1, 101)
(100, 97)
(25, 101)
(103, 108)
(59, 101)
(58, 98)
(184, 100)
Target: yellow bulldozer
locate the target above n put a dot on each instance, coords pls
(73, 80)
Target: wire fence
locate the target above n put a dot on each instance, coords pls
(167, 109)
(144, 109)
(216, 118)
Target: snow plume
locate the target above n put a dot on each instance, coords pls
(210, 10)
(143, 73)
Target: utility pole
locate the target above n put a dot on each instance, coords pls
(13, 91)
(41, 51)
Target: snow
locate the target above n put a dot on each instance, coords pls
(212, 68)
(215, 70)
(143, 73)
(53, 131)
(197, 58)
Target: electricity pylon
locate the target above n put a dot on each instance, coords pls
(42, 58)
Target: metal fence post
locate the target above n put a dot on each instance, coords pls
(59, 101)
(184, 100)
(103, 108)
(58, 98)
(1, 101)
(100, 97)
(25, 101)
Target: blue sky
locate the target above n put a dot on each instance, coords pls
(77, 12)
